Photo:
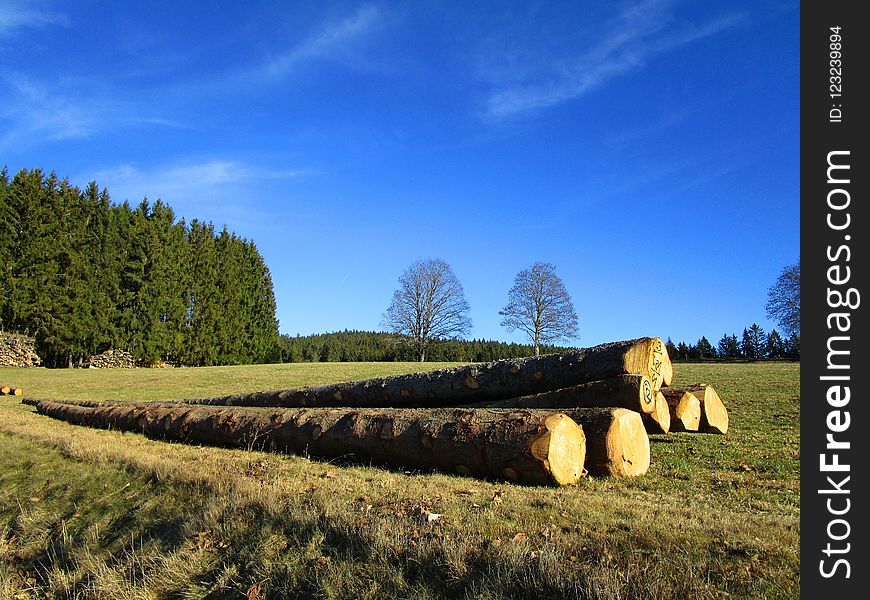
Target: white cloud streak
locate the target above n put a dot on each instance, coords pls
(37, 115)
(178, 180)
(331, 41)
(15, 16)
(644, 31)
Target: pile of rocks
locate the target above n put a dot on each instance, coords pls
(111, 359)
(17, 350)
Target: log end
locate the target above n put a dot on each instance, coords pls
(647, 395)
(627, 445)
(659, 420)
(686, 413)
(561, 447)
(645, 357)
(714, 415)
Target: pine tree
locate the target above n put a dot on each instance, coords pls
(728, 347)
(705, 349)
(775, 345)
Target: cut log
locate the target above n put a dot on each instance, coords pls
(634, 392)
(714, 415)
(455, 386)
(5, 389)
(659, 420)
(530, 447)
(616, 442)
(685, 409)
(17, 392)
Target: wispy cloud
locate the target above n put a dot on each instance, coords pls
(333, 40)
(182, 178)
(642, 32)
(16, 15)
(222, 191)
(38, 113)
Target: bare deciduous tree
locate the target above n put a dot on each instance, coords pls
(784, 299)
(539, 305)
(429, 305)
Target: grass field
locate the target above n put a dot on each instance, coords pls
(101, 514)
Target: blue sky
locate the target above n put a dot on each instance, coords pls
(649, 150)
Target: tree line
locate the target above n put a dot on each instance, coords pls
(81, 275)
(754, 344)
(377, 346)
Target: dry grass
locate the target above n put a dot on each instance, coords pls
(101, 514)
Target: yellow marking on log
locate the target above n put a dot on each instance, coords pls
(647, 394)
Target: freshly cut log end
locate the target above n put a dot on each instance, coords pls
(685, 409)
(659, 420)
(646, 357)
(17, 392)
(714, 415)
(5, 389)
(617, 444)
(561, 448)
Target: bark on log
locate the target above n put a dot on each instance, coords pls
(659, 420)
(616, 442)
(455, 386)
(685, 409)
(531, 447)
(714, 415)
(634, 392)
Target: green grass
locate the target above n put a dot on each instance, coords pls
(101, 514)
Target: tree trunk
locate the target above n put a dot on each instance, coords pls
(482, 382)
(685, 409)
(531, 447)
(714, 415)
(616, 441)
(659, 420)
(633, 392)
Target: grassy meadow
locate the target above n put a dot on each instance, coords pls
(89, 513)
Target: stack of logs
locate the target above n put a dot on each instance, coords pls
(6, 390)
(111, 359)
(17, 351)
(537, 420)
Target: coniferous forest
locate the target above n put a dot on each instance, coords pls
(82, 275)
